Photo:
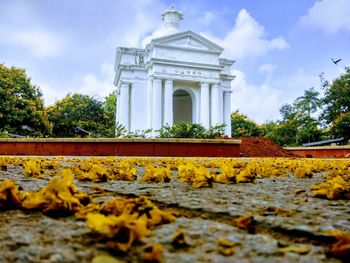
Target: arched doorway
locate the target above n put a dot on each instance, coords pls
(182, 106)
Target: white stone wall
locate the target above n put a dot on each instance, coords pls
(146, 80)
(186, 56)
(139, 105)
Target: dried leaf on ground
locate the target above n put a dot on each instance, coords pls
(244, 222)
(226, 247)
(9, 195)
(153, 253)
(302, 250)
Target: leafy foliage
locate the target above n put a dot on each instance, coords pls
(21, 106)
(309, 103)
(109, 107)
(298, 125)
(215, 131)
(137, 134)
(282, 132)
(341, 126)
(337, 97)
(120, 130)
(190, 130)
(182, 130)
(77, 110)
(242, 126)
(337, 105)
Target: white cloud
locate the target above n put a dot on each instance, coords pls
(295, 83)
(99, 85)
(144, 18)
(38, 42)
(247, 38)
(207, 18)
(22, 28)
(329, 16)
(160, 32)
(51, 93)
(267, 68)
(259, 102)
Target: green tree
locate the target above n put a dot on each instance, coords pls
(109, 107)
(308, 125)
(182, 130)
(337, 97)
(77, 110)
(242, 126)
(282, 132)
(287, 111)
(298, 125)
(341, 126)
(309, 103)
(21, 104)
(191, 130)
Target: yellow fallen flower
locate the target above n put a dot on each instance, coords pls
(9, 195)
(156, 174)
(4, 162)
(302, 250)
(122, 171)
(179, 239)
(334, 189)
(141, 207)
(226, 247)
(247, 175)
(95, 173)
(32, 168)
(49, 164)
(153, 253)
(341, 248)
(244, 222)
(123, 229)
(60, 196)
(186, 172)
(85, 210)
(303, 171)
(198, 176)
(105, 258)
(227, 175)
(202, 178)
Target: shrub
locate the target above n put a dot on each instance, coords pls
(189, 130)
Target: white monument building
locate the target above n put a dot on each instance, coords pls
(178, 77)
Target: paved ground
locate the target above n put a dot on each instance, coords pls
(286, 217)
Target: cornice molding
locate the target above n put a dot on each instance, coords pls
(200, 38)
(160, 61)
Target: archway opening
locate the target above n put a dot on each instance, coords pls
(182, 107)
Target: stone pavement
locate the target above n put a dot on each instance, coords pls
(289, 224)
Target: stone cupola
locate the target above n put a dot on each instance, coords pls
(172, 18)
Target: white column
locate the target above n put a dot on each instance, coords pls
(138, 106)
(157, 104)
(215, 105)
(204, 106)
(124, 105)
(221, 105)
(117, 109)
(227, 112)
(168, 102)
(149, 103)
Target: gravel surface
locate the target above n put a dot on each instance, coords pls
(285, 214)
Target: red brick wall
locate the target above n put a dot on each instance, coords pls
(120, 147)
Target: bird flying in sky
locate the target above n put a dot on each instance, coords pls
(336, 61)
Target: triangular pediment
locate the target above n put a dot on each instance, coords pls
(188, 40)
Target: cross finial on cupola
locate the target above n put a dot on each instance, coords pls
(172, 18)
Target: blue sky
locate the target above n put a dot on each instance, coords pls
(280, 46)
